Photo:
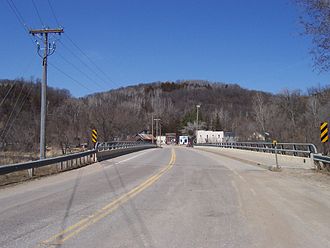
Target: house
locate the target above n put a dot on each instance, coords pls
(170, 138)
(183, 140)
(144, 136)
(161, 140)
(204, 136)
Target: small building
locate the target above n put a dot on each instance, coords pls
(256, 136)
(204, 136)
(183, 140)
(170, 138)
(161, 140)
(145, 137)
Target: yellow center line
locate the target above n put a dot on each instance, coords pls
(74, 229)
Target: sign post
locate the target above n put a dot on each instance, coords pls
(94, 140)
(276, 159)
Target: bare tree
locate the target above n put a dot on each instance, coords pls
(261, 111)
(316, 23)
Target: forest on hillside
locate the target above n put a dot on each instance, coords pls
(289, 116)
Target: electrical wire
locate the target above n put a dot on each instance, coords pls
(89, 59)
(19, 17)
(81, 61)
(38, 14)
(4, 99)
(13, 110)
(53, 12)
(79, 70)
(25, 69)
(22, 22)
(67, 75)
(17, 114)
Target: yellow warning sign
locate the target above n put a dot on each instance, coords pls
(324, 132)
(94, 135)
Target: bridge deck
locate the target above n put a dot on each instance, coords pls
(170, 197)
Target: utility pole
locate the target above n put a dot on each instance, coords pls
(160, 134)
(197, 106)
(157, 128)
(152, 128)
(49, 49)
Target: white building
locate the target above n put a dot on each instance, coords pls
(204, 136)
(161, 140)
(183, 140)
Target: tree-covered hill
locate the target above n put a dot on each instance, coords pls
(289, 116)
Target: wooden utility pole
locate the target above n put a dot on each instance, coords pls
(152, 128)
(49, 49)
(157, 129)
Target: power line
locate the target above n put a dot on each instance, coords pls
(17, 114)
(81, 61)
(90, 60)
(38, 14)
(53, 12)
(13, 110)
(67, 75)
(18, 15)
(79, 70)
(25, 69)
(22, 22)
(4, 99)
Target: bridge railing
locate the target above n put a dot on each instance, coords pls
(294, 149)
(102, 151)
(321, 159)
(107, 150)
(113, 145)
(63, 162)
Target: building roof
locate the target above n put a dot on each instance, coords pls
(144, 136)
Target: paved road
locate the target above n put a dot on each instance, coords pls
(170, 197)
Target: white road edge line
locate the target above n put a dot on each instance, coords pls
(125, 160)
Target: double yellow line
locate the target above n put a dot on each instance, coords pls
(73, 230)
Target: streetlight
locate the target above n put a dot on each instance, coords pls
(197, 106)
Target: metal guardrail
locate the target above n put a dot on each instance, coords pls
(103, 151)
(4, 169)
(293, 149)
(113, 145)
(109, 150)
(321, 158)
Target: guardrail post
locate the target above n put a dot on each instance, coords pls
(313, 165)
(295, 149)
(276, 159)
(31, 172)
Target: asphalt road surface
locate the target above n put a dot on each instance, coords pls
(169, 197)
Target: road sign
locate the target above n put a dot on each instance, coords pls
(94, 135)
(324, 132)
(274, 142)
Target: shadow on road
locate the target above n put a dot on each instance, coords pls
(68, 207)
(145, 238)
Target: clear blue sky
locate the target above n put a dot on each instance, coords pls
(255, 43)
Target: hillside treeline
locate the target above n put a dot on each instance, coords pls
(289, 116)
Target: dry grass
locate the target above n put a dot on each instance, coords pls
(19, 176)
